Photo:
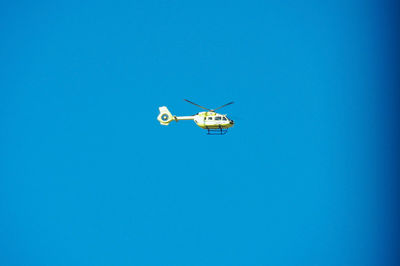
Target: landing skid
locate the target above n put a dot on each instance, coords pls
(217, 131)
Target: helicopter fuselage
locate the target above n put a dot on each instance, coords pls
(212, 120)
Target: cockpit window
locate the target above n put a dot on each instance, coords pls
(218, 118)
(224, 118)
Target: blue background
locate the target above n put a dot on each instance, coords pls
(307, 176)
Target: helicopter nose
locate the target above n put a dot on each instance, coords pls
(231, 122)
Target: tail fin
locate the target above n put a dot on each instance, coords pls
(165, 116)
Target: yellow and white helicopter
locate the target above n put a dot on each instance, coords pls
(216, 124)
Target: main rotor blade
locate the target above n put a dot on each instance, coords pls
(221, 106)
(197, 105)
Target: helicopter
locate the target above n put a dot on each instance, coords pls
(216, 124)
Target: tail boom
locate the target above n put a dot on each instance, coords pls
(177, 118)
(165, 117)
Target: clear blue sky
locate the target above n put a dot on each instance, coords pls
(89, 177)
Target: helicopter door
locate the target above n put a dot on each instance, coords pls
(218, 120)
(209, 121)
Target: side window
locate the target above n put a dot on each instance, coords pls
(209, 118)
(218, 118)
(224, 118)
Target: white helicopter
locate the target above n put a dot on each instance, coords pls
(216, 124)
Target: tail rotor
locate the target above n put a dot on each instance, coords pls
(165, 116)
